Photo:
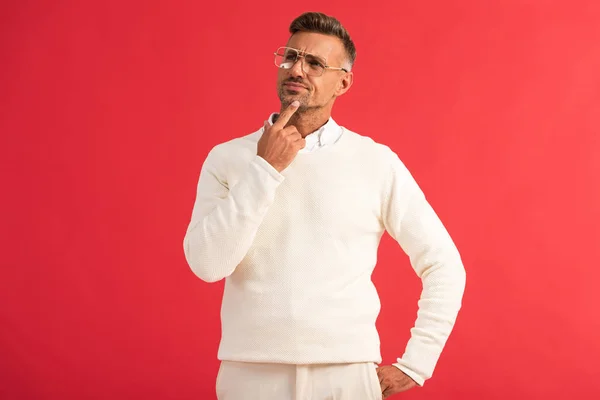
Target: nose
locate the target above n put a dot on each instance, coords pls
(296, 69)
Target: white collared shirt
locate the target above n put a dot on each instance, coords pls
(326, 135)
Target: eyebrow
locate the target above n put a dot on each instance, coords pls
(318, 58)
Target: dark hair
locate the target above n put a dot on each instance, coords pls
(320, 23)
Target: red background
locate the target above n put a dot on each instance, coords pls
(109, 109)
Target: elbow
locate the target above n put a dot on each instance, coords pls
(206, 275)
(202, 269)
(447, 274)
(457, 280)
(202, 264)
(460, 271)
(455, 274)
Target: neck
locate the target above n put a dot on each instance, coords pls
(306, 122)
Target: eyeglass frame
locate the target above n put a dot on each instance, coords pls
(303, 54)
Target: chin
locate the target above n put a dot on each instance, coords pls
(287, 95)
(287, 99)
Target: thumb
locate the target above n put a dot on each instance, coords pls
(266, 125)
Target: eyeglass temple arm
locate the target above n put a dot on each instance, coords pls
(337, 68)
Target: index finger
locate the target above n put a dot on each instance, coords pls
(285, 116)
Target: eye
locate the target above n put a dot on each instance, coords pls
(290, 56)
(314, 62)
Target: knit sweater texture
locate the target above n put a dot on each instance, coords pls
(297, 250)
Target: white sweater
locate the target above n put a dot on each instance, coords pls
(297, 250)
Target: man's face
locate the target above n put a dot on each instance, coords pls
(313, 91)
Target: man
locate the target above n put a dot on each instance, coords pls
(291, 217)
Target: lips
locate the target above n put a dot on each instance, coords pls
(295, 86)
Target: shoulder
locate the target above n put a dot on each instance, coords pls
(375, 152)
(243, 147)
(382, 161)
(236, 145)
(233, 155)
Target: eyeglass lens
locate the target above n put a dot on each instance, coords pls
(286, 58)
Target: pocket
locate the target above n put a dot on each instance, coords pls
(375, 381)
(218, 388)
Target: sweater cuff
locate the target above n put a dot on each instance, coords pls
(264, 164)
(413, 375)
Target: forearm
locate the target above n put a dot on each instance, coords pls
(443, 286)
(221, 231)
(411, 220)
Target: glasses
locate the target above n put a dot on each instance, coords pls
(286, 58)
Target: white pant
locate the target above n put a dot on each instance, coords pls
(254, 381)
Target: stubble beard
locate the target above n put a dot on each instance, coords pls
(286, 99)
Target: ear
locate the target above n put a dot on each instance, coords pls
(344, 83)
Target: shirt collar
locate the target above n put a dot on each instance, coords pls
(325, 135)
